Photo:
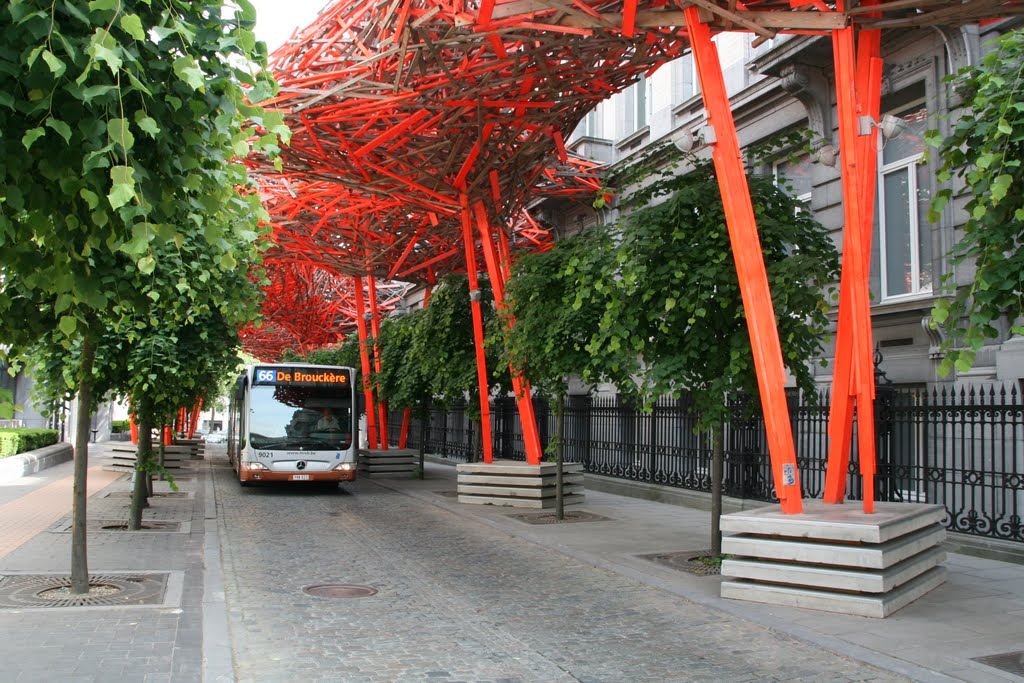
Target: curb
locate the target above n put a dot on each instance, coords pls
(24, 464)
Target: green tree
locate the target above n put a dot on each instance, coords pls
(555, 303)
(122, 122)
(658, 309)
(986, 150)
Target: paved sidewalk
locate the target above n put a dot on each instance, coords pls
(160, 643)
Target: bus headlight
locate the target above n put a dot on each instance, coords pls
(252, 466)
(345, 467)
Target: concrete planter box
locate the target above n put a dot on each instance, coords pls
(23, 464)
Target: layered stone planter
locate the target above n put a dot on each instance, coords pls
(835, 558)
(392, 463)
(517, 484)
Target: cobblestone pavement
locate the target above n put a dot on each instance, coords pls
(462, 601)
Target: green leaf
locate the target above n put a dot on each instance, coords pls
(1000, 186)
(986, 160)
(132, 25)
(146, 124)
(63, 129)
(105, 48)
(94, 91)
(31, 136)
(123, 190)
(119, 133)
(57, 66)
(34, 55)
(90, 197)
(68, 324)
(146, 264)
(101, 5)
(188, 71)
(1004, 127)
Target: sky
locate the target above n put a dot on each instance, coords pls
(276, 19)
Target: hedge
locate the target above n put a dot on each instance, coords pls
(18, 440)
(118, 426)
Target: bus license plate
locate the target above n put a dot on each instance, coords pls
(300, 477)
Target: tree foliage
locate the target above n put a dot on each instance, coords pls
(986, 150)
(653, 303)
(558, 299)
(124, 209)
(403, 380)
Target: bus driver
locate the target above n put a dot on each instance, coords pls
(328, 423)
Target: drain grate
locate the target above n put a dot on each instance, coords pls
(552, 518)
(686, 561)
(340, 590)
(45, 590)
(1010, 662)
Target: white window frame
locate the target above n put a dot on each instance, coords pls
(909, 166)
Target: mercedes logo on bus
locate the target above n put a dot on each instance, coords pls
(300, 465)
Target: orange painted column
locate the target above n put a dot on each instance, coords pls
(364, 356)
(520, 385)
(382, 408)
(750, 268)
(478, 328)
(853, 385)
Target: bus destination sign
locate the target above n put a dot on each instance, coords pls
(300, 376)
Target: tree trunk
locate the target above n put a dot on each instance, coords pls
(79, 554)
(717, 467)
(477, 443)
(142, 458)
(559, 456)
(423, 443)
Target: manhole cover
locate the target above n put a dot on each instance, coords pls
(340, 590)
(1011, 662)
(552, 518)
(697, 562)
(49, 590)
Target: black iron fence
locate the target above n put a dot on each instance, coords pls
(961, 448)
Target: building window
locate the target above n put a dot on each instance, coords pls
(635, 105)
(903, 234)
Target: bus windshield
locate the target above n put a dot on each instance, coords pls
(300, 418)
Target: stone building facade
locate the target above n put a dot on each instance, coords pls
(787, 84)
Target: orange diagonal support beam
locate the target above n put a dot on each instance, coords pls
(364, 356)
(853, 381)
(478, 327)
(520, 385)
(750, 268)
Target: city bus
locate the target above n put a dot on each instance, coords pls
(293, 423)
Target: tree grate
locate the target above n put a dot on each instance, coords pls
(117, 525)
(1010, 662)
(161, 494)
(39, 590)
(688, 561)
(552, 518)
